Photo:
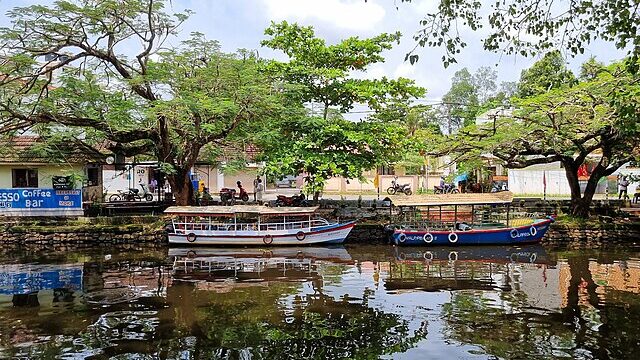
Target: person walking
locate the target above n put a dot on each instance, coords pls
(622, 185)
(259, 191)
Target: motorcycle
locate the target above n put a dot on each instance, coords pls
(397, 188)
(295, 200)
(228, 195)
(446, 189)
(132, 195)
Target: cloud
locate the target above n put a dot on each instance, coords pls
(405, 70)
(345, 14)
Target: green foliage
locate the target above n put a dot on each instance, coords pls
(168, 102)
(566, 125)
(322, 72)
(530, 27)
(461, 101)
(549, 73)
(324, 148)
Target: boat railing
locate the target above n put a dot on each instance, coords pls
(207, 226)
(479, 220)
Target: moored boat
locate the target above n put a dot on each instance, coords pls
(466, 219)
(241, 225)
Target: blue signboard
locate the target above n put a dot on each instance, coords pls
(36, 199)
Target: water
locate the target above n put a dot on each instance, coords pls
(362, 302)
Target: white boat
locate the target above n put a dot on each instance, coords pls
(253, 225)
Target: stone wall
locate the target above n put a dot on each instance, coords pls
(592, 235)
(64, 237)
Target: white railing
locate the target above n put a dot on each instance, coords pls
(206, 226)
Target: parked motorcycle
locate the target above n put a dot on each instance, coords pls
(446, 189)
(132, 195)
(229, 195)
(398, 188)
(295, 200)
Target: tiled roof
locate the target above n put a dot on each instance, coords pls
(33, 150)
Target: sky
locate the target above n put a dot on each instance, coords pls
(241, 23)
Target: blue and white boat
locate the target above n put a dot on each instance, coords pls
(465, 219)
(242, 225)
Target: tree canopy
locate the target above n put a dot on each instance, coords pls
(316, 73)
(166, 101)
(529, 27)
(595, 117)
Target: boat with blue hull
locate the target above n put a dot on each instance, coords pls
(465, 219)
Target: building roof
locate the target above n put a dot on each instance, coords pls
(29, 149)
(502, 197)
(239, 209)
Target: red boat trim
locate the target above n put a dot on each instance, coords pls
(545, 222)
(341, 227)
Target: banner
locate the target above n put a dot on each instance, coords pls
(36, 199)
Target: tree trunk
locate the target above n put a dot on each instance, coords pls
(181, 188)
(579, 207)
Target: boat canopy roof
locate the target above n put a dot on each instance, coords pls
(502, 197)
(238, 209)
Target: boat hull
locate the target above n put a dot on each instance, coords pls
(330, 234)
(528, 234)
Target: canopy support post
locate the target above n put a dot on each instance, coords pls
(455, 216)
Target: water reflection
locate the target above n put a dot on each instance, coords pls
(357, 302)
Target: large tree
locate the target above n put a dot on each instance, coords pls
(325, 145)
(597, 117)
(324, 73)
(529, 27)
(107, 70)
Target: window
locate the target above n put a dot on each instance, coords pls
(24, 178)
(93, 174)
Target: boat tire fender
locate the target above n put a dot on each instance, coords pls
(267, 239)
(453, 237)
(428, 238)
(402, 237)
(300, 235)
(428, 255)
(533, 231)
(191, 237)
(514, 233)
(453, 256)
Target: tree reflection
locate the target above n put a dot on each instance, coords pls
(273, 321)
(594, 322)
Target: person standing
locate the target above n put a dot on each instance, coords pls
(622, 185)
(259, 190)
(255, 187)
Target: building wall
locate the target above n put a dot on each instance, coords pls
(45, 174)
(214, 179)
(114, 180)
(530, 180)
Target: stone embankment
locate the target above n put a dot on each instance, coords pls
(131, 230)
(592, 235)
(61, 234)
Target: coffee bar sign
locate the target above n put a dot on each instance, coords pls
(40, 202)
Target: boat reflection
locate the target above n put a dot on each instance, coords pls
(478, 268)
(534, 254)
(228, 265)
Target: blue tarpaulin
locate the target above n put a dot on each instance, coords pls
(460, 178)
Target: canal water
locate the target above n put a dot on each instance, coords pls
(360, 302)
